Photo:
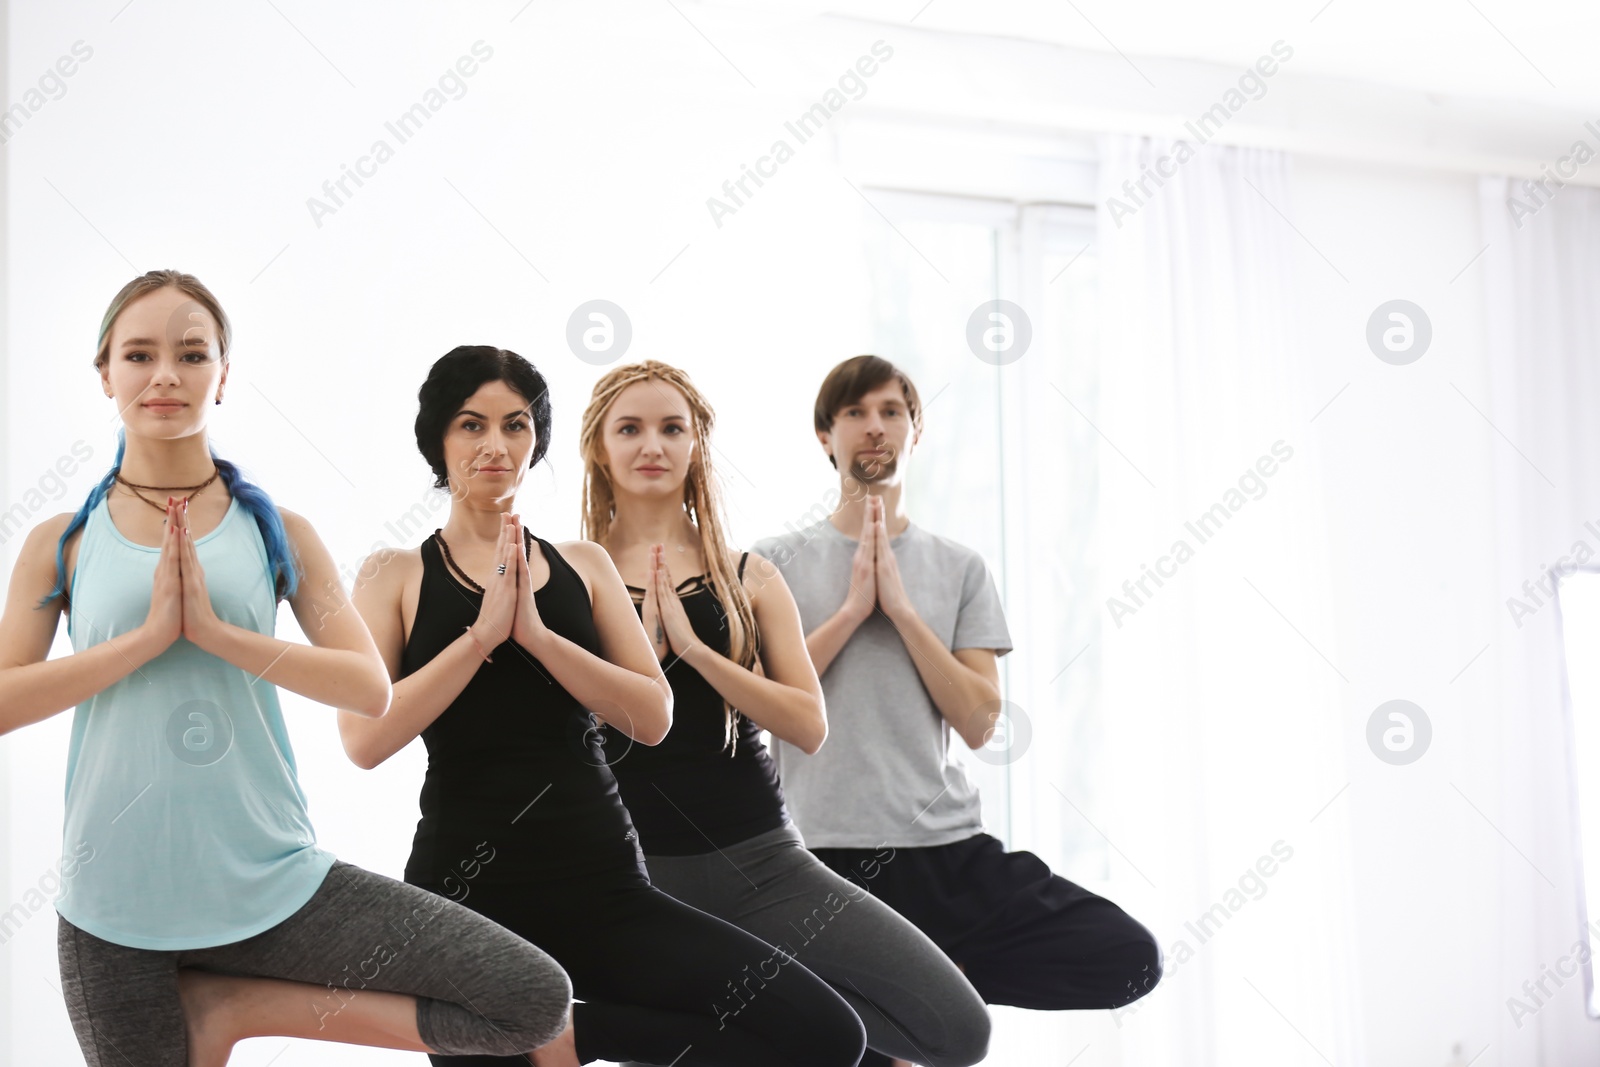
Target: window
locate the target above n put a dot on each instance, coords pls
(1578, 601)
(1007, 466)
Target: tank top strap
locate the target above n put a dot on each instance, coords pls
(433, 558)
(741, 565)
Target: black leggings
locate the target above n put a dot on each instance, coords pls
(1024, 935)
(661, 982)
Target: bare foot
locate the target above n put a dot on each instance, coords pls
(562, 1052)
(205, 998)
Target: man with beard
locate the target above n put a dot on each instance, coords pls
(905, 628)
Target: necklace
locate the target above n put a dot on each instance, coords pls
(168, 488)
(438, 535)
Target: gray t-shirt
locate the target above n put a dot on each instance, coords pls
(886, 774)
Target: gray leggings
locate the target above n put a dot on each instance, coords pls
(479, 987)
(914, 1003)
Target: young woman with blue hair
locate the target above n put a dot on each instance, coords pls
(197, 909)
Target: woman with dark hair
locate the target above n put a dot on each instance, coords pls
(197, 909)
(707, 801)
(507, 652)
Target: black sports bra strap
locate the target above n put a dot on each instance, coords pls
(741, 565)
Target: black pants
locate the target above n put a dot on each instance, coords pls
(661, 982)
(1024, 936)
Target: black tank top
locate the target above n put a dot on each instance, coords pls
(515, 763)
(687, 795)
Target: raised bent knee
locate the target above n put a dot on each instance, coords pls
(1145, 966)
(540, 997)
(967, 1039)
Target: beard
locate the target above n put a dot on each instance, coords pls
(870, 469)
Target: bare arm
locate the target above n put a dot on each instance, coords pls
(33, 688)
(340, 667)
(624, 685)
(420, 697)
(964, 685)
(786, 698)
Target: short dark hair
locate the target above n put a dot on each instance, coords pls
(855, 378)
(458, 374)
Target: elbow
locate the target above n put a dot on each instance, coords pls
(362, 755)
(379, 695)
(660, 723)
(978, 736)
(363, 745)
(661, 726)
(819, 734)
(663, 714)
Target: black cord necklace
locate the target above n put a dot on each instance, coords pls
(438, 535)
(167, 488)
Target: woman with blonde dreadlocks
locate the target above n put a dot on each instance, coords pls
(706, 801)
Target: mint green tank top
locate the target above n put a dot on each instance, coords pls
(185, 823)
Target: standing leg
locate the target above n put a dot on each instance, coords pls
(123, 1002)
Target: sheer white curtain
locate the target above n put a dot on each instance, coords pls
(1542, 293)
(1219, 672)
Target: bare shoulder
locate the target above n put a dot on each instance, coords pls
(392, 568)
(36, 559)
(41, 541)
(759, 573)
(50, 530)
(296, 526)
(588, 558)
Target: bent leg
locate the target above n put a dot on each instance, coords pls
(1058, 946)
(663, 982)
(479, 988)
(1026, 937)
(913, 1001)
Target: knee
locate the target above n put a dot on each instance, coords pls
(1144, 965)
(839, 1040)
(537, 995)
(966, 1039)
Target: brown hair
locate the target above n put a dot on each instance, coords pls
(855, 378)
(702, 502)
(149, 282)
